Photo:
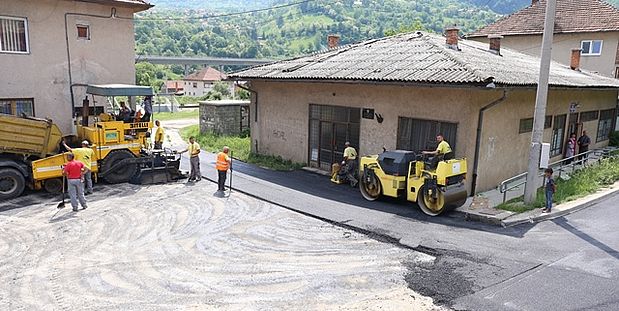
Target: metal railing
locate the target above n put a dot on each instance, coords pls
(560, 166)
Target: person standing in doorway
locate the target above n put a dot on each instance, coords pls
(570, 148)
(222, 166)
(85, 155)
(194, 159)
(74, 172)
(159, 134)
(583, 146)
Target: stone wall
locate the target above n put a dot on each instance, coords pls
(224, 117)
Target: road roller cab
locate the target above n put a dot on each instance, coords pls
(434, 183)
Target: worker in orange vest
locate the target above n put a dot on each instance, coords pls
(222, 166)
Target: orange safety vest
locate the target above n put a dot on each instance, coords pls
(222, 164)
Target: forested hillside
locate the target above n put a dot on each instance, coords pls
(197, 27)
(297, 29)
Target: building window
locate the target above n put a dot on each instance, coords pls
(589, 116)
(605, 124)
(195, 84)
(17, 107)
(617, 72)
(418, 134)
(558, 133)
(83, 32)
(591, 47)
(13, 35)
(526, 125)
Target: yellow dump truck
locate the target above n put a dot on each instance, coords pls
(23, 140)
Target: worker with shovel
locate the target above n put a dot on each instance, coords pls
(74, 172)
(222, 166)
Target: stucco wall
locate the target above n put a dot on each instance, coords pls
(283, 122)
(43, 73)
(504, 152)
(562, 45)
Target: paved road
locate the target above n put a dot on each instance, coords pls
(176, 246)
(479, 267)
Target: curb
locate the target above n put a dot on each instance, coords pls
(506, 223)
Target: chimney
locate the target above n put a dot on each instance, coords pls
(575, 59)
(452, 37)
(534, 2)
(333, 41)
(495, 43)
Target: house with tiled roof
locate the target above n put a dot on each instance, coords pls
(202, 81)
(399, 92)
(50, 49)
(589, 25)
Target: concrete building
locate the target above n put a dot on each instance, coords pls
(201, 82)
(49, 48)
(589, 25)
(399, 92)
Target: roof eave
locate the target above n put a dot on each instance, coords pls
(138, 6)
(426, 83)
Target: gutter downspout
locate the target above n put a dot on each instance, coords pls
(480, 123)
(255, 112)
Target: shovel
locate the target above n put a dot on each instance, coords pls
(61, 204)
(229, 193)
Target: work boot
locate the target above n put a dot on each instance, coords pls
(75, 209)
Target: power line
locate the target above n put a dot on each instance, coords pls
(227, 14)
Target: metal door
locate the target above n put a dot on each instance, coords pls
(330, 128)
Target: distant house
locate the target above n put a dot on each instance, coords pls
(589, 25)
(201, 82)
(399, 92)
(50, 49)
(176, 87)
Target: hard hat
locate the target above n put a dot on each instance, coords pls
(85, 142)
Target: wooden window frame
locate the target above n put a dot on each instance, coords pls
(12, 102)
(87, 27)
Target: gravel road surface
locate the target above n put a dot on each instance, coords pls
(176, 246)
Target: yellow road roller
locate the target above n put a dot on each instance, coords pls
(434, 183)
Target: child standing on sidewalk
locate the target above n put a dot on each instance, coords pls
(550, 189)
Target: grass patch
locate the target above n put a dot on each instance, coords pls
(581, 183)
(183, 114)
(240, 147)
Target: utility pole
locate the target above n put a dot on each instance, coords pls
(530, 191)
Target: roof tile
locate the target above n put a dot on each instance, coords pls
(572, 16)
(423, 58)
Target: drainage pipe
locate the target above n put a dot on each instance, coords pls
(480, 123)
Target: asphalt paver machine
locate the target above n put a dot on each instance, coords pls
(435, 184)
(121, 148)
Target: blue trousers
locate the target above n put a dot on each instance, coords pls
(549, 195)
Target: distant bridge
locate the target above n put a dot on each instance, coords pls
(200, 61)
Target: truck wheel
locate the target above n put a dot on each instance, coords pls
(12, 183)
(53, 185)
(120, 174)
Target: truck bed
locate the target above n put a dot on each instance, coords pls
(28, 136)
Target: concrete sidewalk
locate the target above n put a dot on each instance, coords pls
(482, 207)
